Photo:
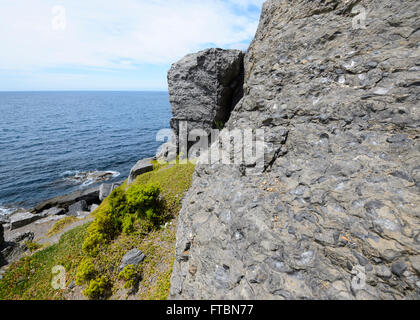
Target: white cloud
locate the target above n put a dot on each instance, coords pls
(119, 34)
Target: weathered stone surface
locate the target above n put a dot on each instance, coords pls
(415, 263)
(204, 87)
(105, 190)
(167, 152)
(398, 268)
(14, 247)
(22, 237)
(142, 166)
(383, 272)
(341, 189)
(22, 219)
(83, 214)
(133, 257)
(89, 195)
(93, 207)
(78, 208)
(53, 212)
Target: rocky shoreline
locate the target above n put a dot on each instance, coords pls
(28, 225)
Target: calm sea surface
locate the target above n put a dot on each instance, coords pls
(48, 140)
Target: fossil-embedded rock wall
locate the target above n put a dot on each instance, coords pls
(337, 214)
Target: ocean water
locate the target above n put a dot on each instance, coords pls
(51, 143)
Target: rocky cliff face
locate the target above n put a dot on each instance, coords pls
(335, 85)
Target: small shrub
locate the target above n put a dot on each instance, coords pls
(139, 207)
(144, 200)
(85, 272)
(33, 246)
(128, 224)
(97, 288)
(118, 205)
(100, 232)
(129, 275)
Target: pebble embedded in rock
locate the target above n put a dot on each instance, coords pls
(398, 268)
(415, 263)
(383, 271)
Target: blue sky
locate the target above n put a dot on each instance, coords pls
(113, 45)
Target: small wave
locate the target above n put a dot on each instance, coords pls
(86, 178)
(4, 211)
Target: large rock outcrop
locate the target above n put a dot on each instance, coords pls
(204, 87)
(335, 215)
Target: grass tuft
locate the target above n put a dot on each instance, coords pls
(60, 225)
(30, 278)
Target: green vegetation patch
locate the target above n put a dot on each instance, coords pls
(132, 217)
(30, 278)
(33, 246)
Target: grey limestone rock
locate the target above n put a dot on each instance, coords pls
(141, 167)
(204, 87)
(14, 247)
(133, 257)
(53, 212)
(77, 208)
(22, 219)
(90, 195)
(105, 190)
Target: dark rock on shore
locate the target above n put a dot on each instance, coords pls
(89, 195)
(337, 208)
(15, 247)
(77, 208)
(204, 87)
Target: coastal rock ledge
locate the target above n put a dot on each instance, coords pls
(336, 214)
